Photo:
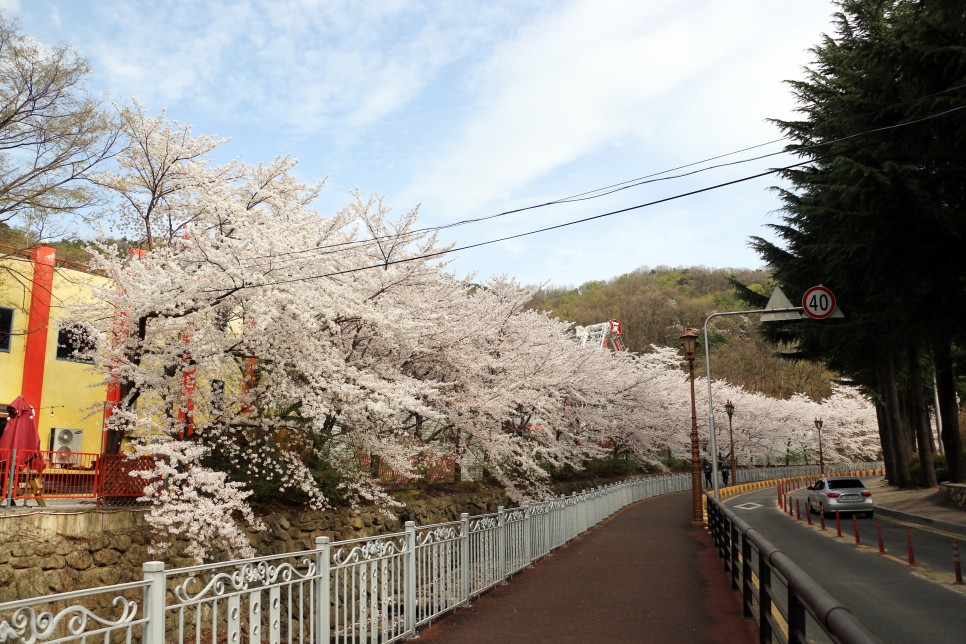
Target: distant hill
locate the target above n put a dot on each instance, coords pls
(655, 304)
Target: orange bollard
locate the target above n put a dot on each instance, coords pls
(878, 530)
(821, 515)
(855, 530)
(838, 524)
(808, 514)
(912, 555)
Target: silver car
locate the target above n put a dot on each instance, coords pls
(840, 493)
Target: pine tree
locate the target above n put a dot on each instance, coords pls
(880, 201)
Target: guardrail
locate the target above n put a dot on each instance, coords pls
(377, 589)
(41, 475)
(787, 604)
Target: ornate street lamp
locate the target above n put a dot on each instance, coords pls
(730, 410)
(821, 456)
(689, 341)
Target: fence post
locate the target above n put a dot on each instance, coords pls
(11, 477)
(465, 556)
(572, 514)
(501, 541)
(527, 533)
(323, 562)
(153, 572)
(409, 576)
(548, 522)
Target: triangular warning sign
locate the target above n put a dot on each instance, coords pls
(779, 301)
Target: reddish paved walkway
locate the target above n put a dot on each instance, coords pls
(642, 576)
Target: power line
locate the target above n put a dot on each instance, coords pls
(328, 249)
(611, 213)
(518, 235)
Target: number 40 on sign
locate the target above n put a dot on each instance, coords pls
(819, 302)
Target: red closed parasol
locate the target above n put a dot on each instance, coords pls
(21, 434)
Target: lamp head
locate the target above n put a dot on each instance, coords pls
(818, 423)
(689, 340)
(729, 408)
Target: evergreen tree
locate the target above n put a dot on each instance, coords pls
(878, 213)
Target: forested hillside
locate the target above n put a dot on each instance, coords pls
(655, 304)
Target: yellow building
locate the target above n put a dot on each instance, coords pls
(39, 348)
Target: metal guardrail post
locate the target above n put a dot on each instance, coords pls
(747, 590)
(323, 562)
(465, 557)
(796, 615)
(409, 577)
(734, 556)
(764, 600)
(154, 597)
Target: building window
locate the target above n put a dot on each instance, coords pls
(6, 328)
(75, 343)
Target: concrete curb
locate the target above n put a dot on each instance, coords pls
(921, 520)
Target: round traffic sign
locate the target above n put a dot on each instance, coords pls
(818, 302)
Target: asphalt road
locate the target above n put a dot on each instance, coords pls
(897, 603)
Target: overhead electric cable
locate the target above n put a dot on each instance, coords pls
(454, 249)
(337, 248)
(630, 183)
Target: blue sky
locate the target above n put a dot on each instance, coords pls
(468, 109)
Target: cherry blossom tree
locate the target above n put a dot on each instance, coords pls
(260, 347)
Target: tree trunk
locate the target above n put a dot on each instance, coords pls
(949, 413)
(900, 441)
(919, 417)
(885, 440)
(457, 457)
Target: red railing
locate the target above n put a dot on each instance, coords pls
(72, 475)
(437, 469)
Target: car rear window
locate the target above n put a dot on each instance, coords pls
(844, 483)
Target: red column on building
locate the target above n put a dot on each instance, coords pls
(43, 259)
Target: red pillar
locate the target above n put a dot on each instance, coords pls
(35, 353)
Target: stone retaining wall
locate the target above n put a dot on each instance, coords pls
(953, 493)
(45, 552)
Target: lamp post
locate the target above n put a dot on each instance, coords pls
(689, 340)
(821, 456)
(730, 410)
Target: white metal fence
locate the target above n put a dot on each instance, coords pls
(375, 589)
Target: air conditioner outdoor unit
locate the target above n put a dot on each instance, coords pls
(64, 443)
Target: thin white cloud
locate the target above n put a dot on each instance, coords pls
(301, 65)
(669, 78)
(10, 7)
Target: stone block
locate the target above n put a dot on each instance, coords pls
(30, 585)
(53, 562)
(80, 560)
(25, 563)
(100, 542)
(106, 557)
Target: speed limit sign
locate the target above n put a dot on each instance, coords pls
(819, 302)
